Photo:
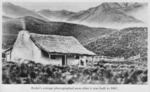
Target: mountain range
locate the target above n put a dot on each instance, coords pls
(102, 15)
(105, 13)
(112, 42)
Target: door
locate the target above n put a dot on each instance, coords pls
(63, 60)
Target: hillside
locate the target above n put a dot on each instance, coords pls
(126, 42)
(6, 18)
(15, 11)
(83, 33)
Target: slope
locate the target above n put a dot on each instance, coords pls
(83, 33)
(126, 42)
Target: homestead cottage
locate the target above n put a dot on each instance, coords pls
(47, 49)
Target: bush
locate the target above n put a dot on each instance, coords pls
(36, 73)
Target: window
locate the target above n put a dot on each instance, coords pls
(76, 56)
(3, 55)
(53, 56)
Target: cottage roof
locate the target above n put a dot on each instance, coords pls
(59, 44)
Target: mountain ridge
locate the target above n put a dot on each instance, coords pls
(101, 14)
(15, 11)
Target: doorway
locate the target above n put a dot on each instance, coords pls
(64, 60)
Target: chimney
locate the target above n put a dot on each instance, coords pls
(23, 37)
(23, 47)
(23, 23)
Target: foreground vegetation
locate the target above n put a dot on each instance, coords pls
(103, 73)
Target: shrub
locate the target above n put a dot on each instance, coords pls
(36, 73)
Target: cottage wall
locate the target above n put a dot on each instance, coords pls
(22, 48)
(71, 60)
(25, 49)
(40, 58)
(83, 58)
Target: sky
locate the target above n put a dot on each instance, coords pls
(71, 6)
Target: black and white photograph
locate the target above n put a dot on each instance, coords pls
(104, 43)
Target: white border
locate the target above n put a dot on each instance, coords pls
(120, 88)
